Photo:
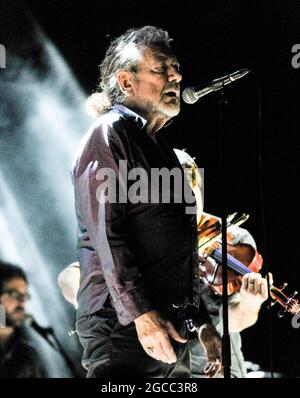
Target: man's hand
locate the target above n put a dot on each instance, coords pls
(154, 334)
(212, 343)
(254, 290)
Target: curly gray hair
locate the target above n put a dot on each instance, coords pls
(124, 53)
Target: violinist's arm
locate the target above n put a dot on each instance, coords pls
(253, 293)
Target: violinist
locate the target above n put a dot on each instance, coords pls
(243, 310)
(244, 305)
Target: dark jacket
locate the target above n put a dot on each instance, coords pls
(144, 255)
(19, 358)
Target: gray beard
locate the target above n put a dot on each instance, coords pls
(147, 108)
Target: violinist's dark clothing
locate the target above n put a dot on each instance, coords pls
(198, 356)
(134, 257)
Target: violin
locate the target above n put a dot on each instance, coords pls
(241, 259)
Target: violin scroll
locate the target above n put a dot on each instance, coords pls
(289, 303)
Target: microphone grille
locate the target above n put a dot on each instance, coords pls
(189, 96)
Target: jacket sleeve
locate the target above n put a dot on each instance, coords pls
(100, 199)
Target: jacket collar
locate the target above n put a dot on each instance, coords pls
(130, 115)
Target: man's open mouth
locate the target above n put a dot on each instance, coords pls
(171, 94)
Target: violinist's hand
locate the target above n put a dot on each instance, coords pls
(212, 343)
(254, 289)
(154, 334)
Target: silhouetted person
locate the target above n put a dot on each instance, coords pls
(18, 356)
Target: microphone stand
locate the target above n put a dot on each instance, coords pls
(46, 333)
(65, 356)
(226, 349)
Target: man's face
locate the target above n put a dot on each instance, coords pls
(13, 297)
(157, 87)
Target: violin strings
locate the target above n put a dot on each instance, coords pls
(233, 263)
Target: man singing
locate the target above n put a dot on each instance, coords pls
(138, 258)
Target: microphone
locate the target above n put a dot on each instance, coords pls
(191, 94)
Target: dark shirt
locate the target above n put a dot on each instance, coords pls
(143, 255)
(19, 358)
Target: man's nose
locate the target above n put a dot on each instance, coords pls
(174, 75)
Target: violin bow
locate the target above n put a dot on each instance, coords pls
(206, 242)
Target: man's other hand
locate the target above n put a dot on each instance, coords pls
(154, 334)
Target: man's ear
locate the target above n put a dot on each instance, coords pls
(124, 79)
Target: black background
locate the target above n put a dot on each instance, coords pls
(211, 39)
